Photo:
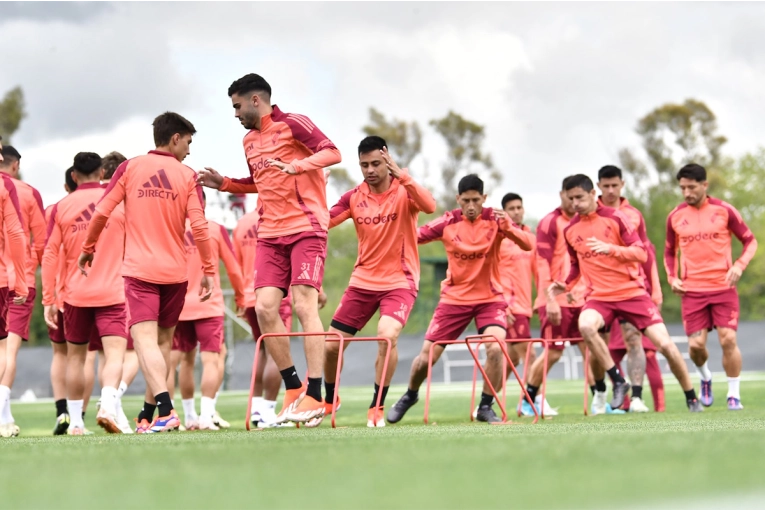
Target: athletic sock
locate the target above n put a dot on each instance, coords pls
(109, 399)
(189, 412)
(290, 378)
(257, 404)
(314, 388)
(206, 408)
(412, 394)
(637, 392)
(60, 407)
(593, 388)
(733, 387)
(5, 404)
(329, 390)
(600, 385)
(215, 401)
(690, 394)
(532, 390)
(122, 389)
(486, 400)
(615, 375)
(147, 412)
(76, 416)
(164, 404)
(382, 397)
(704, 372)
(269, 404)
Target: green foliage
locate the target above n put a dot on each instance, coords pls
(12, 112)
(404, 139)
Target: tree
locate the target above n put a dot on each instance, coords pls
(464, 140)
(341, 180)
(12, 112)
(404, 139)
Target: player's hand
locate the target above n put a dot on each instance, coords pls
(499, 214)
(209, 178)
(240, 311)
(677, 287)
(287, 168)
(733, 276)
(510, 318)
(205, 288)
(393, 168)
(553, 313)
(322, 300)
(327, 171)
(19, 300)
(570, 297)
(598, 246)
(85, 260)
(555, 289)
(50, 313)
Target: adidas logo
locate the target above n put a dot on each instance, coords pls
(456, 239)
(158, 186)
(363, 204)
(684, 223)
(82, 221)
(188, 240)
(578, 239)
(251, 233)
(402, 312)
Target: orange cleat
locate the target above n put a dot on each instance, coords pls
(376, 417)
(292, 399)
(142, 426)
(315, 422)
(308, 409)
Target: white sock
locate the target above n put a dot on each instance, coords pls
(122, 389)
(109, 400)
(75, 413)
(704, 372)
(207, 408)
(257, 404)
(5, 405)
(269, 404)
(215, 400)
(189, 412)
(733, 384)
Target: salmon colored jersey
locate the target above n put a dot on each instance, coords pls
(472, 250)
(617, 276)
(516, 269)
(67, 230)
(33, 218)
(159, 193)
(220, 245)
(703, 236)
(14, 236)
(553, 260)
(637, 222)
(287, 204)
(61, 272)
(386, 225)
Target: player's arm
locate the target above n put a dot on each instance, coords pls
(37, 225)
(201, 232)
(633, 251)
(671, 249)
(739, 229)
(524, 240)
(434, 230)
(419, 197)
(238, 252)
(114, 194)
(341, 211)
(547, 237)
(233, 268)
(211, 178)
(50, 259)
(650, 263)
(304, 131)
(15, 240)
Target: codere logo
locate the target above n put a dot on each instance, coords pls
(376, 220)
(465, 256)
(158, 186)
(699, 237)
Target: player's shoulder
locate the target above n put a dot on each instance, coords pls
(572, 224)
(613, 214)
(678, 210)
(716, 202)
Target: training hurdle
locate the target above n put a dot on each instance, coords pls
(334, 337)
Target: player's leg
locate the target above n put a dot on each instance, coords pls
(175, 363)
(217, 420)
(331, 357)
(186, 386)
(636, 360)
(91, 360)
(653, 373)
(696, 311)
(129, 372)
(660, 337)
(732, 365)
(75, 385)
(390, 327)
(19, 319)
(12, 346)
(58, 384)
(209, 332)
(493, 369)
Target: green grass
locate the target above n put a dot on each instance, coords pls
(669, 460)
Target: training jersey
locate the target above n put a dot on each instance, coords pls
(517, 267)
(554, 261)
(67, 229)
(61, 271)
(33, 220)
(221, 248)
(617, 276)
(14, 236)
(287, 204)
(386, 225)
(159, 193)
(703, 236)
(472, 251)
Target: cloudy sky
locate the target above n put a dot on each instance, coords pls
(559, 86)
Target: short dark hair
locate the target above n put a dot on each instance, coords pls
(470, 182)
(609, 172)
(563, 183)
(578, 181)
(69, 180)
(86, 163)
(110, 162)
(250, 83)
(371, 143)
(690, 171)
(10, 154)
(168, 124)
(509, 198)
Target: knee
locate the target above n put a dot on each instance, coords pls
(588, 330)
(265, 309)
(493, 352)
(331, 349)
(727, 339)
(305, 307)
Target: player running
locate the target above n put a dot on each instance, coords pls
(286, 154)
(606, 253)
(386, 276)
(159, 192)
(701, 230)
(19, 316)
(472, 290)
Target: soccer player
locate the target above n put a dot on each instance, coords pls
(700, 229)
(472, 236)
(202, 323)
(606, 253)
(95, 306)
(19, 316)
(286, 154)
(636, 346)
(159, 192)
(386, 276)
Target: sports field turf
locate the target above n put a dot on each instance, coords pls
(669, 460)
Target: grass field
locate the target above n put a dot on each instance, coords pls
(669, 460)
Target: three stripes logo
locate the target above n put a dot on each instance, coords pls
(83, 220)
(188, 240)
(363, 204)
(250, 237)
(402, 312)
(158, 186)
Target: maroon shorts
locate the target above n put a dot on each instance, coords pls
(358, 306)
(450, 321)
(83, 324)
(208, 333)
(3, 312)
(521, 328)
(640, 311)
(20, 316)
(705, 310)
(146, 301)
(285, 312)
(57, 335)
(297, 259)
(568, 328)
(616, 339)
